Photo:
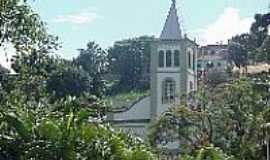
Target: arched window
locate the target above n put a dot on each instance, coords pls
(176, 58)
(189, 59)
(161, 59)
(168, 58)
(168, 91)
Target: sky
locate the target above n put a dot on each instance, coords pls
(77, 22)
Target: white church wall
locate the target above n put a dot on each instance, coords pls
(140, 110)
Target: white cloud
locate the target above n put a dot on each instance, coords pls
(82, 18)
(229, 24)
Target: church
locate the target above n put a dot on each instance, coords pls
(173, 74)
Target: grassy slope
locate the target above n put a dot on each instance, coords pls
(125, 99)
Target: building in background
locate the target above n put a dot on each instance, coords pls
(213, 57)
(173, 74)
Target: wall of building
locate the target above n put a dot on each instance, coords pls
(215, 56)
(217, 64)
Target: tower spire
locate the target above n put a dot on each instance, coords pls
(171, 29)
(173, 2)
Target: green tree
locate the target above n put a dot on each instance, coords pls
(21, 27)
(228, 116)
(239, 48)
(93, 60)
(211, 153)
(23, 30)
(253, 45)
(67, 79)
(259, 28)
(214, 78)
(68, 133)
(31, 127)
(130, 61)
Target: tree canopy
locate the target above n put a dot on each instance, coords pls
(130, 60)
(228, 116)
(253, 46)
(44, 113)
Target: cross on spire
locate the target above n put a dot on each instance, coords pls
(171, 29)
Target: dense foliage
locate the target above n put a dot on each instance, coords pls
(93, 60)
(130, 61)
(62, 131)
(46, 108)
(229, 116)
(68, 79)
(53, 109)
(254, 46)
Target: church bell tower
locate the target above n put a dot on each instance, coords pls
(173, 65)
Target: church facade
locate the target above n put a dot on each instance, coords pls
(173, 74)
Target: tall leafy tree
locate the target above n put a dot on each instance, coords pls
(93, 60)
(33, 128)
(67, 79)
(260, 30)
(251, 46)
(68, 133)
(239, 48)
(21, 27)
(130, 61)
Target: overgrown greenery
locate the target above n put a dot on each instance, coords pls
(130, 60)
(94, 61)
(50, 109)
(254, 46)
(229, 116)
(62, 131)
(54, 108)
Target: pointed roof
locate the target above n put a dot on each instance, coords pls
(171, 29)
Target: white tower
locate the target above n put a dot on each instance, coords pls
(173, 65)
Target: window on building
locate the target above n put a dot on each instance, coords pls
(168, 91)
(191, 87)
(209, 65)
(189, 60)
(161, 59)
(168, 58)
(176, 58)
(194, 61)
